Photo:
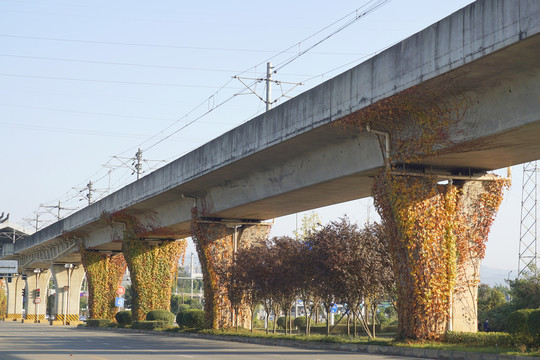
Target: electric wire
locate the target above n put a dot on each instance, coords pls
(113, 81)
(225, 86)
(165, 46)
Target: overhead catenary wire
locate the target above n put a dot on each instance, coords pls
(164, 133)
(113, 81)
(357, 17)
(162, 45)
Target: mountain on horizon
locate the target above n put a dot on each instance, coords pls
(493, 276)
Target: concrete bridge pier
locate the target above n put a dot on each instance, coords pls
(153, 264)
(217, 241)
(15, 298)
(438, 239)
(104, 272)
(36, 306)
(67, 281)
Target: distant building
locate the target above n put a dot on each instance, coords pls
(9, 234)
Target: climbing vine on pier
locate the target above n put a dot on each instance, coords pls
(215, 247)
(434, 236)
(104, 273)
(436, 229)
(3, 300)
(153, 266)
(152, 256)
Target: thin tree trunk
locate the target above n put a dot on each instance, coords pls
(348, 322)
(354, 320)
(373, 319)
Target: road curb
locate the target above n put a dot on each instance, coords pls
(359, 348)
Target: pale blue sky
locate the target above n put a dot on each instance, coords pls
(81, 82)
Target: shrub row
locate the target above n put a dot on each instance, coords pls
(160, 315)
(98, 322)
(191, 318)
(525, 322)
(149, 324)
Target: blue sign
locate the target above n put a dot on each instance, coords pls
(119, 302)
(333, 310)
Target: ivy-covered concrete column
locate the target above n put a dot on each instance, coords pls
(216, 243)
(67, 281)
(36, 309)
(3, 299)
(477, 207)
(104, 272)
(152, 265)
(437, 233)
(15, 298)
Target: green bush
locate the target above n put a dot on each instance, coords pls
(98, 322)
(123, 317)
(281, 322)
(149, 324)
(258, 323)
(388, 328)
(193, 303)
(479, 338)
(160, 315)
(191, 318)
(516, 322)
(533, 323)
(300, 322)
(183, 307)
(497, 317)
(341, 328)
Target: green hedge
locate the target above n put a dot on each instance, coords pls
(149, 325)
(98, 322)
(123, 317)
(191, 318)
(533, 323)
(516, 322)
(160, 315)
(341, 328)
(488, 339)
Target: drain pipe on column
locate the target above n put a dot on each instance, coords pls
(386, 144)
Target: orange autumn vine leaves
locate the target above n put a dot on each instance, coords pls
(152, 268)
(104, 273)
(152, 265)
(215, 247)
(436, 229)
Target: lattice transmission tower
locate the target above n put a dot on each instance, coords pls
(528, 248)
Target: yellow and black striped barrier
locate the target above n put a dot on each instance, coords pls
(68, 317)
(13, 317)
(40, 317)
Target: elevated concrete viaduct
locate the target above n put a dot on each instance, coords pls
(299, 156)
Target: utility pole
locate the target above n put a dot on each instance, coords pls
(36, 221)
(90, 187)
(59, 207)
(137, 163)
(268, 86)
(268, 80)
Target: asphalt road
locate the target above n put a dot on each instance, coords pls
(45, 342)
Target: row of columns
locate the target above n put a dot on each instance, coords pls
(216, 244)
(67, 280)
